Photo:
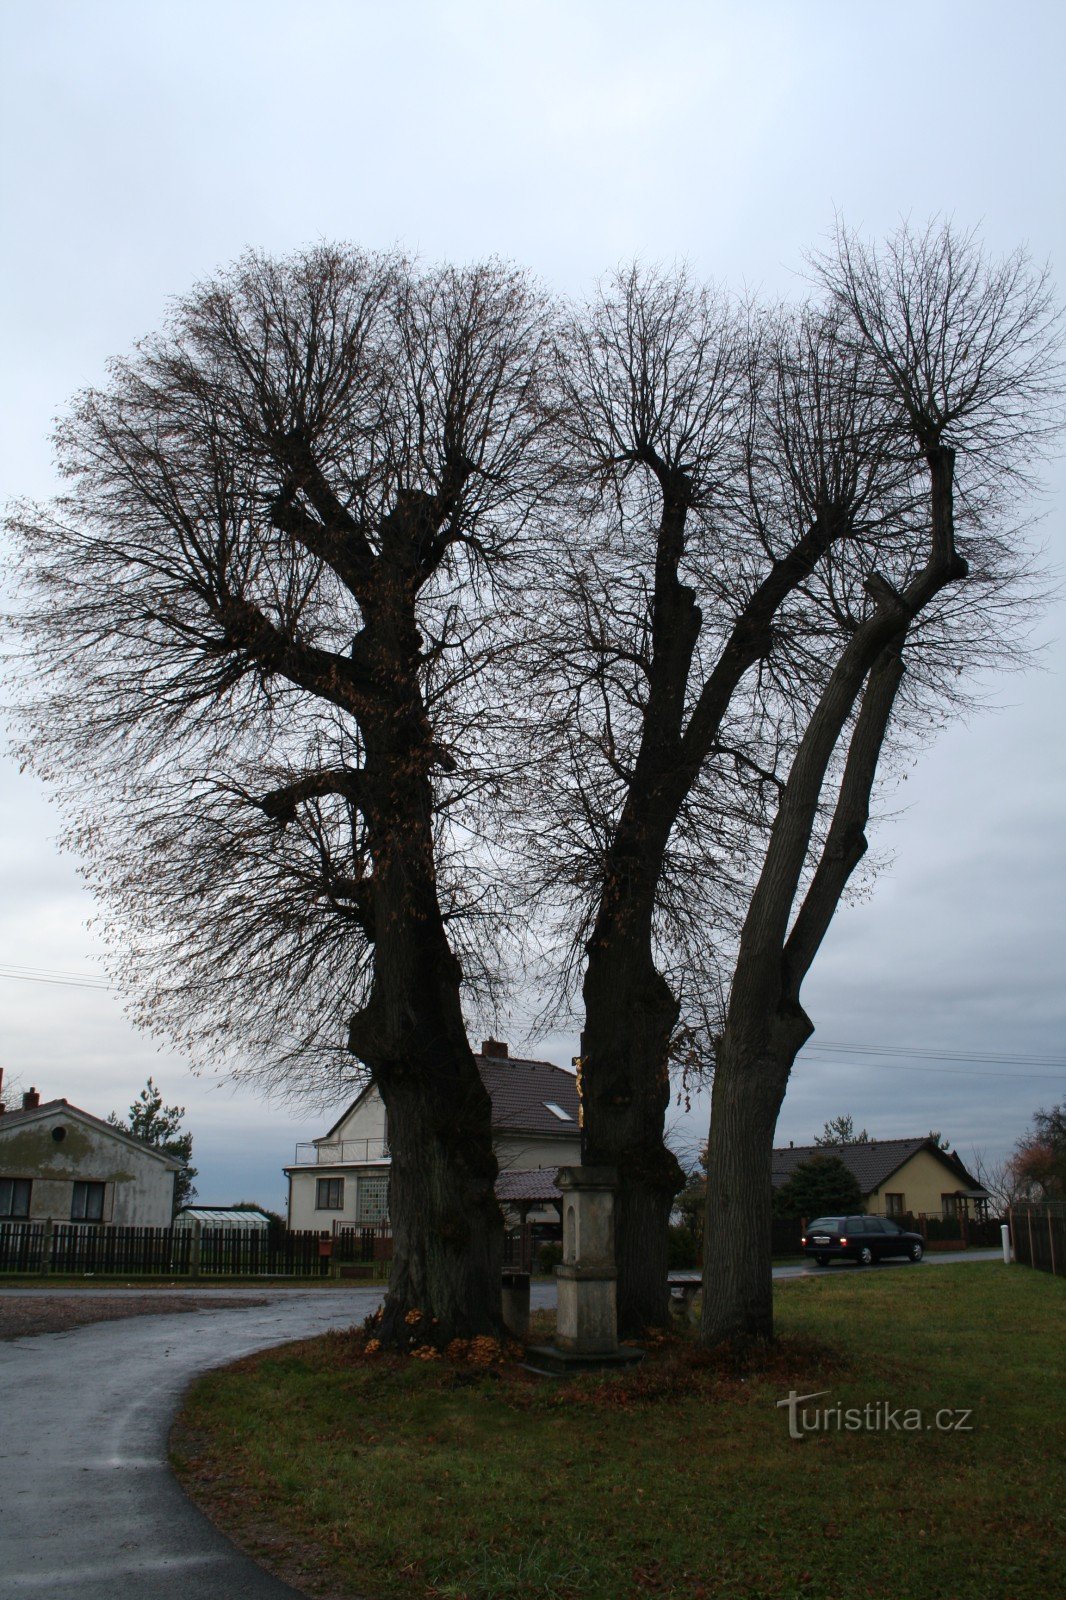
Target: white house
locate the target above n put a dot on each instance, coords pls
(61, 1162)
(342, 1179)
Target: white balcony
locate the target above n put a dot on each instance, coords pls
(341, 1152)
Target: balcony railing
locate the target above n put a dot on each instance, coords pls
(341, 1150)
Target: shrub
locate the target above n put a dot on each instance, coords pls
(549, 1256)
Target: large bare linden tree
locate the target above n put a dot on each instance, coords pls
(256, 622)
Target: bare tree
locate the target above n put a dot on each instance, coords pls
(256, 624)
(752, 510)
(963, 358)
(841, 1130)
(693, 641)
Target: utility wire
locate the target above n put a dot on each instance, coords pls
(45, 975)
(986, 1056)
(954, 1072)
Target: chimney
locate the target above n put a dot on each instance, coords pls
(3, 1108)
(30, 1100)
(494, 1047)
(792, 1144)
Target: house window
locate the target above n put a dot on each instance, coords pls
(949, 1205)
(894, 1205)
(14, 1198)
(87, 1202)
(329, 1194)
(373, 1200)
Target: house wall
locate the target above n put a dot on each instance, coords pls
(515, 1153)
(139, 1188)
(366, 1120)
(529, 1152)
(921, 1181)
(304, 1212)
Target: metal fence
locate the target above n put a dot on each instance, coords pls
(1038, 1235)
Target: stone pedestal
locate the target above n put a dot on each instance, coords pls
(586, 1321)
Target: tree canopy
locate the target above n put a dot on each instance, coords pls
(819, 1187)
(160, 1126)
(841, 1130)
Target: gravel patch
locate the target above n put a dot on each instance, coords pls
(22, 1316)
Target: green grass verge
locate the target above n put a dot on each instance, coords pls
(679, 1480)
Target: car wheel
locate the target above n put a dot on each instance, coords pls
(823, 1261)
(916, 1252)
(866, 1256)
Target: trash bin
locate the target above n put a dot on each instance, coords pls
(325, 1253)
(516, 1303)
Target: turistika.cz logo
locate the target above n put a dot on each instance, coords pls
(876, 1416)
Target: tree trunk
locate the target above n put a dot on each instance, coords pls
(447, 1225)
(629, 1016)
(745, 1102)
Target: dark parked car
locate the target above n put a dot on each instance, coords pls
(861, 1239)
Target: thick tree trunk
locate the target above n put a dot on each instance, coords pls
(447, 1225)
(737, 1282)
(629, 1016)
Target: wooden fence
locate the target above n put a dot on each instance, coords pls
(197, 1252)
(1038, 1236)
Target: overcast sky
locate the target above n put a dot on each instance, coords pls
(144, 145)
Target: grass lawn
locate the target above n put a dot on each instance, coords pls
(384, 1477)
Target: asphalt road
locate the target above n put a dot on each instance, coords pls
(88, 1507)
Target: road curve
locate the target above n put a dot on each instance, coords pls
(88, 1506)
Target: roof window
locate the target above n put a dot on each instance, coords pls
(564, 1116)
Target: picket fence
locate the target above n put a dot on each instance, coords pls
(198, 1252)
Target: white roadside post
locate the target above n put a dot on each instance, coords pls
(1004, 1234)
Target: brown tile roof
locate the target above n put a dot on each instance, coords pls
(872, 1163)
(528, 1186)
(522, 1091)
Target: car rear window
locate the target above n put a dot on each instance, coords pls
(825, 1225)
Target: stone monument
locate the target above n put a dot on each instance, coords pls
(586, 1320)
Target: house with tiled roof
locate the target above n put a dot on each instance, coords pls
(341, 1179)
(61, 1163)
(897, 1176)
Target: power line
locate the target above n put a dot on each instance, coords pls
(44, 975)
(954, 1072)
(985, 1056)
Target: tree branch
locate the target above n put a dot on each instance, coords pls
(281, 804)
(339, 679)
(846, 843)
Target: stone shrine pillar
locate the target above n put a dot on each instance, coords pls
(586, 1321)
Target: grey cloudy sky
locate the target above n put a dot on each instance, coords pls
(145, 145)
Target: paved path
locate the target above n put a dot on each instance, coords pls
(88, 1507)
(936, 1258)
